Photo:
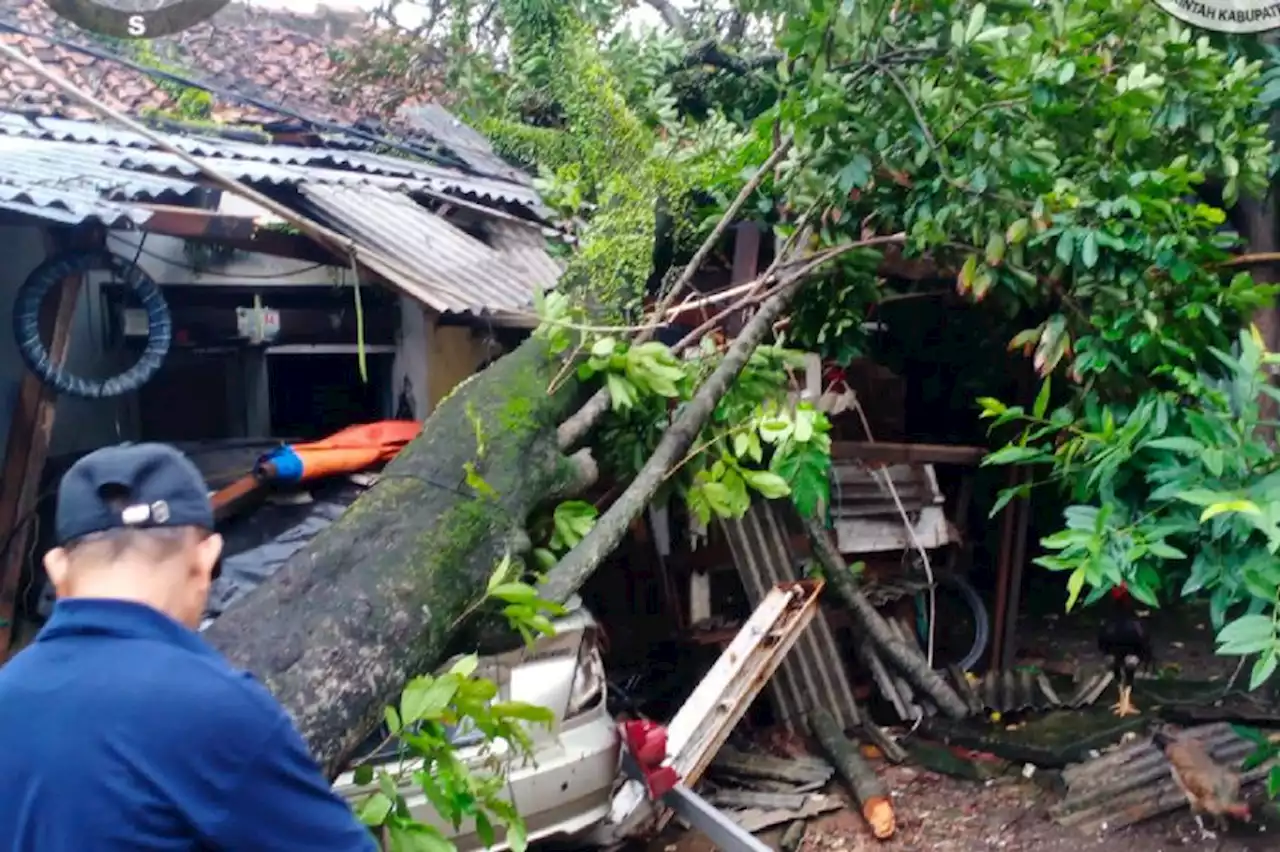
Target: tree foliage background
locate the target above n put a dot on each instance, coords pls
(1078, 167)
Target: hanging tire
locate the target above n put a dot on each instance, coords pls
(34, 352)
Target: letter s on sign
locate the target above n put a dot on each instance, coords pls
(137, 26)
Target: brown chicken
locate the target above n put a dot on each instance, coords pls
(1209, 788)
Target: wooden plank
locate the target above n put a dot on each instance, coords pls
(27, 447)
(720, 700)
(885, 452)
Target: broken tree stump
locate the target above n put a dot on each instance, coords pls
(866, 786)
(377, 597)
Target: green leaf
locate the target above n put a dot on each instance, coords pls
(1248, 634)
(1005, 496)
(517, 837)
(416, 837)
(770, 485)
(1163, 550)
(991, 407)
(524, 712)
(604, 347)
(622, 394)
(1066, 250)
(1013, 455)
(977, 17)
(1247, 507)
(392, 718)
(855, 174)
(374, 810)
(465, 667)
(1263, 668)
(426, 698)
(1213, 460)
(1089, 250)
(363, 774)
(517, 593)
(1273, 782)
(1075, 584)
(1042, 400)
(1186, 446)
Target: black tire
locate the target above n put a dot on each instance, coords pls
(958, 587)
(26, 323)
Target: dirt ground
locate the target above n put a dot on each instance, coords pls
(944, 814)
(940, 813)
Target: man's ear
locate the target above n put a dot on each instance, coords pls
(207, 553)
(57, 565)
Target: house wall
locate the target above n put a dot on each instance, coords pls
(84, 424)
(453, 353)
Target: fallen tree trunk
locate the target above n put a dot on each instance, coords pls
(866, 786)
(376, 598)
(913, 666)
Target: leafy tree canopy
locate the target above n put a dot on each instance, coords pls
(1074, 161)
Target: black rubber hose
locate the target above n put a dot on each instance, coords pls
(26, 323)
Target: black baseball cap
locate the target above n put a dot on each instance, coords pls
(131, 485)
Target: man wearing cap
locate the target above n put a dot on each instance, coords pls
(120, 729)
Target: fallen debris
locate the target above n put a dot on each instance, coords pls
(956, 762)
(793, 836)
(756, 820)
(866, 786)
(730, 761)
(704, 721)
(888, 746)
(741, 799)
(1134, 783)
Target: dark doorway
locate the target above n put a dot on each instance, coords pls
(313, 396)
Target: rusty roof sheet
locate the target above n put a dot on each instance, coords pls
(287, 58)
(459, 273)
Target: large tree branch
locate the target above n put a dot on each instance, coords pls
(574, 569)
(709, 52)
(906, 659)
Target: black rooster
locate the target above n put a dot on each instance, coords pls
(1124, 641)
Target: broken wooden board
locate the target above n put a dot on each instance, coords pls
(760, 819)
(720, 700)
(731, 761)
(1133, 783)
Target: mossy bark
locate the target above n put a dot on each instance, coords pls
(377, 597)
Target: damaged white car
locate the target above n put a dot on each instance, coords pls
(566, 787)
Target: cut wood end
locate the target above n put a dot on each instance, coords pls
(878, 813)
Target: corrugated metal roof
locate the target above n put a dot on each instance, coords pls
(526, 249)
(462, 274)
(71, 172)
(475, 150)
(55, 166)
(225, 150)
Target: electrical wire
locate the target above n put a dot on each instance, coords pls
(402, 146)
(920, 549)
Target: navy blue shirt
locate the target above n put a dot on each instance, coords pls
(120, 729)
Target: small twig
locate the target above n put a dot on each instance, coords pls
(755, 295)
(565, 367)
(1254, 259)
(977, 112)
(713, 239)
